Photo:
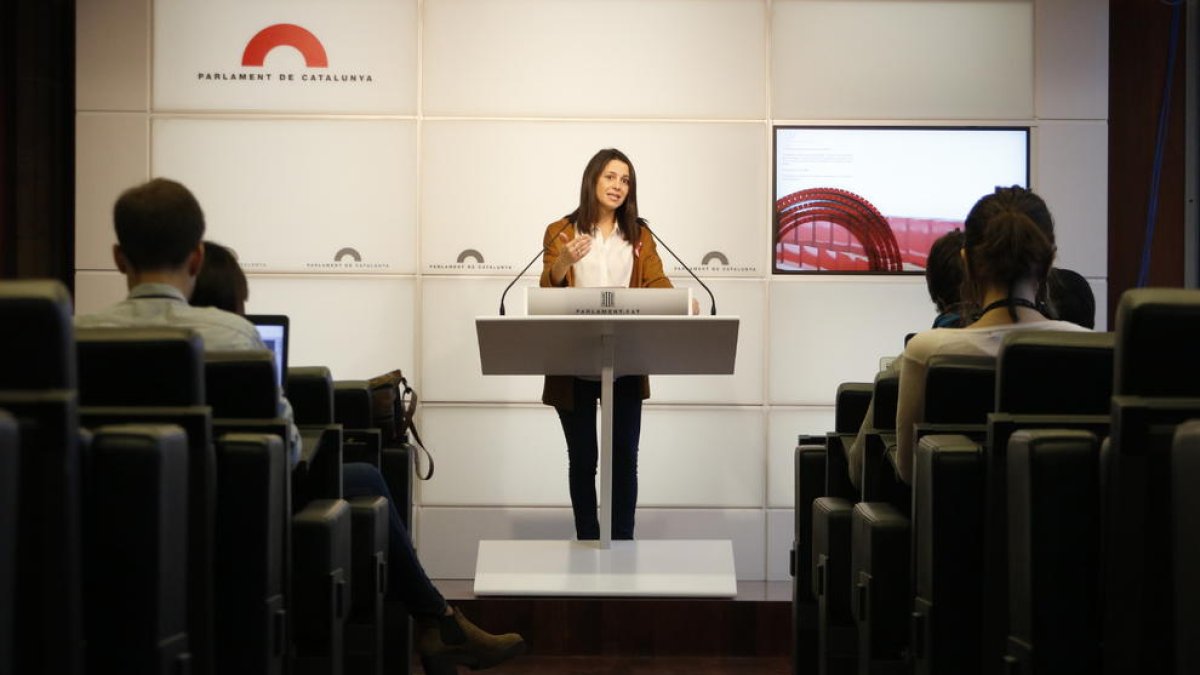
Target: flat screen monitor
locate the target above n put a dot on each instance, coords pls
(273, 330)
(873, 199)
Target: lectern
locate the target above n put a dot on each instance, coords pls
(608, 347)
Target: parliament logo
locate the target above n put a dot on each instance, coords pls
(346, 259)
(316, 71)
(716, 262)
(470, 259)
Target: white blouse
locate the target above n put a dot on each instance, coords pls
(608, 263)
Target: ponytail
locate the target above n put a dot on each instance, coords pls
(1008, 238)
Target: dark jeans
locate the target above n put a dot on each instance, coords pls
(579, 426)
(407, 581)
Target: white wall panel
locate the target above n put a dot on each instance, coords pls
(497, 455)
(745, 299)
(96, 290)
(112, 55)
(516, 456)
(833, 329)
(781, 529)
(357, 326)
(784, 425)
(493, 187)
(448, 538)
(1071, 174)
(293, 195)
(901, 59)
(368, 48)
(112, 153)
(450, 349)
(594, 58)
(1072, 59)
(702, 457)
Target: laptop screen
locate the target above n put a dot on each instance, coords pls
(273, 330)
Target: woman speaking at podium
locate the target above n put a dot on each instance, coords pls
(601, 243)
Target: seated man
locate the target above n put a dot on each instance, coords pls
(160, 228)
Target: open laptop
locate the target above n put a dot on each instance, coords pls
(273, 330)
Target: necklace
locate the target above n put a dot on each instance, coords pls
(1008, 302)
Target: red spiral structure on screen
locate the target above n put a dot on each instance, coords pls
(847, 210)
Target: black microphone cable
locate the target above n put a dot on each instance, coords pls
(530, 264)
(703, 285)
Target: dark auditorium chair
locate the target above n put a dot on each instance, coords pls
(361, 440)
(879, 583)
(136, 548)
(850, 407)
(40, 355)
(809, 476)
(947, 540)
(1054, 540)
(959, 389)
(959, 394)
(252, 516)
(1155, 388)
(140, 366)
(320, 521)
(1185, 503)
(9, 449)
(310, 391)
(321, 586)
(1055, 372)
(837, 650)
(155, 376)
(37, 387)
(878, 477)
(364, 622)
(1044, 380)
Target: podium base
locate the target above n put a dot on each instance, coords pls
(658, 568)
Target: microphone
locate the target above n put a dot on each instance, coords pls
(689, 270)
(525, 269)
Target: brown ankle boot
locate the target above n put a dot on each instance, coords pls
(453, 640)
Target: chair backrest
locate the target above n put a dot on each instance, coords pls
(251, 553)
(1055, 372)
(48, 601)
(352, 404)
(9, 450)
(136, 547)
(887, 393)
(1156, 349)
(850, 406)
(1054, 538)
(241, 384)
(310, 390)
(156, 366)
(959, 389)
(36, 348)
(1185, 502)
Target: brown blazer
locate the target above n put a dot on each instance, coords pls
(558, 390)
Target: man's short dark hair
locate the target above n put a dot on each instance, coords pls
(1071, 298)
(944, 271)
(158, 224)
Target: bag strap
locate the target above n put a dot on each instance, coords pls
(410, 408)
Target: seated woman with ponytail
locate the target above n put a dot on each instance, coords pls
(1008, 248)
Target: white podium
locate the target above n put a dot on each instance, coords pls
(607, 346)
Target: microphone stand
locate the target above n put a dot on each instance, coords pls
(703, 285)
(530, 264)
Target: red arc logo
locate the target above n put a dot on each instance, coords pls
(289, 35)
